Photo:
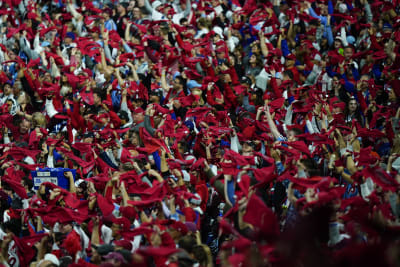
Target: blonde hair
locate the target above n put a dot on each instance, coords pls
(39, 120)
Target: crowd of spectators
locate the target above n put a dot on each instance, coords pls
(200, 133)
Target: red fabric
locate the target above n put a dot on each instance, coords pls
(190, 215)
(25, 248)
(262, 217)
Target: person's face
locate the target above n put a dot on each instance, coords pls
(337, 44)
(47, 77)
(336, 110)
(387, 48)
(96, 258)
(64, 78)
(253, 59)
(181, 149)
(138, 117)
(324, 10)
(392, 96)
(348, 53)
(105, 16)
(29, 23)
(156, 31)
(120, 9)
(16, 89)
(216, 38)
(131, 6)
(264, 118)
(255, 49)
(68, 40)
(185, 23)
(115, 228)
(88, 140)
(226, 78)
(95, 36)
(237, 53)
(291, 136)
(24, 126)
(247, 150)
(352, 105)
(78, 56)
(136, 13)
(289, 62)
(105, 120)
(96, 99)
(11, 55)
(220, 55)
(166, 10)
(335, 82)
(364, 82)
(7, 89)
(66, 228)
(176, 84)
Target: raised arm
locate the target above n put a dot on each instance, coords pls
(272, 125)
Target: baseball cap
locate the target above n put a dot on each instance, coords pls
(70, 35)
(45, 43)
(88, 135)
(156, 4)
(51, 257)
(246, 80)
(123, 115)
(192, 84)
(103, 249)
(157, 92)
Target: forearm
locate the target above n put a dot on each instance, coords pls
(55, 72)
(95, 238)
(187, 9)
(147, 125)
(148, 7)
(107, 52)
(164, 165)
(368, 13)
(73, 11)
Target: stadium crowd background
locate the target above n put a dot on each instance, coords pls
(200, 133)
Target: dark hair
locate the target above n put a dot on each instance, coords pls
(188, 242)
(349, 46)
(181, 80)
(200, 254)
(14, 226)
(296, 131)
(28, 182)
(182, 20)
(65, 261)
(311, 166)
(357, 113)
(259, 97)
(100, 93)
(123, 115)
(289, 73)
(184, 145)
